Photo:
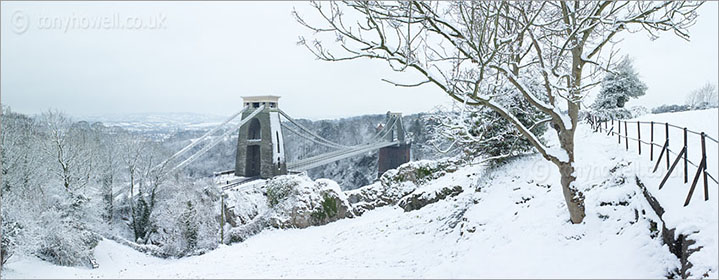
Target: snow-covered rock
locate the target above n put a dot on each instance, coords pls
(417, 200)
(299, 202)
(289, 201)
(398, 183)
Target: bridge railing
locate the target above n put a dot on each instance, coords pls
(621, 129)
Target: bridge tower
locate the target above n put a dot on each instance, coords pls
(260, 145)
(394, 156)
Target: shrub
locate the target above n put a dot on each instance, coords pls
(670, 109)
(278, 189)
(65, 241)
(328, 209)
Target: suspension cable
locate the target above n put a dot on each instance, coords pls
(384, 129)
(310, 138)
(218, 140)
(301, 127)
(202, 138)
(389, 127)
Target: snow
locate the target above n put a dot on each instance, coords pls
(278, 152)
(700, 218)
(566, 121)
(509, 222)
(558, 152)
(699, 121)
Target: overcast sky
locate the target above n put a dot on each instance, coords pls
(205, 56)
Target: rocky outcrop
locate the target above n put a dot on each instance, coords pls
(295, 201)
(298, 202)
(398, 183)
(417, 200)
(289, 201)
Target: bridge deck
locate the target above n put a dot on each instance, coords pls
(309, 163)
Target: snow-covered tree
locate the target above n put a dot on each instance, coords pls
(105, 141)
(64, 182)
(189, 223)
(468, 49)
(480, 132)
(618, 87)
(704, 97)
(68, 144)
(638, 111)
(186, 218)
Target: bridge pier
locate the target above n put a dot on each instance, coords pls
(393, 156)
(260, 144)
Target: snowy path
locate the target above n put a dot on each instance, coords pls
(514, 226)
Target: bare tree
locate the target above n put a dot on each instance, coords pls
(139, 157)
(703, 97)
(106, 143)
(67, 144)
(21, 167)
(469, 49)
(21, 164)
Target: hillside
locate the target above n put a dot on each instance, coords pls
(507, 222)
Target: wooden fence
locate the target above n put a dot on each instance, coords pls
(620, 128)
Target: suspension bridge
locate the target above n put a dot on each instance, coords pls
(260, 144)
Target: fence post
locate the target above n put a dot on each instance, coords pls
(619, 134)
(704, 171)
(666, 133)
(626, 136)
(701, 169)
(222, 219)
(594, 123)
(639, 137)
(651, 142)
(686, 177)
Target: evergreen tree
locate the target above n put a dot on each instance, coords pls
(482, 132)
(190, 227)
(617, 88)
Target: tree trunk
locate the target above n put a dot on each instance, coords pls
(572, 196)
(108, 198)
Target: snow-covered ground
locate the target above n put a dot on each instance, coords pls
(510, 222)
(699, 121)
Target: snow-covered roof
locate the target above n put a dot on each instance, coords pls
(261, 98)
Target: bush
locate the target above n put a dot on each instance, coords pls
(186, 219)
(670, 109)
(278, 189)
(65, 241)
(328, 210)
(8, 243)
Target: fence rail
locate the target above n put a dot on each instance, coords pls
(622, 132)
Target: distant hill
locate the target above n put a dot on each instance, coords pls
(157, 121)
